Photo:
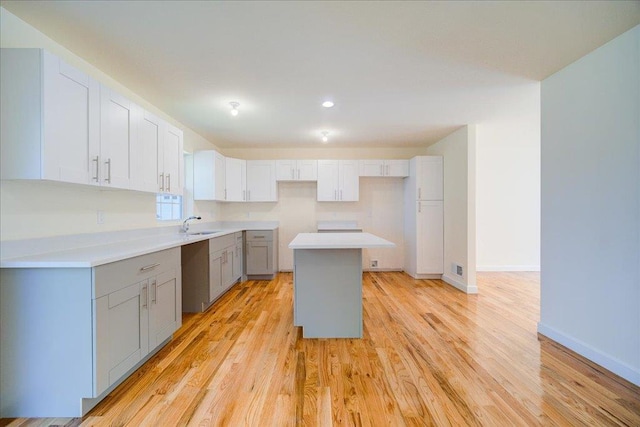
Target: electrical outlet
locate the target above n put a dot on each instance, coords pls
(373, 263)
(100, 217)
(459, 270)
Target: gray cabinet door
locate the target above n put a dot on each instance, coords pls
(122, 329)
(163, 316)
(259, 258)
(215, 275)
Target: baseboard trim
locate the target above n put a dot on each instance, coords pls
(508, 268)
(468, 289)
(608, 362)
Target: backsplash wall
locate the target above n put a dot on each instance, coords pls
(379, 211)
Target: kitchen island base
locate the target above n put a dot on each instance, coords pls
(328, 292)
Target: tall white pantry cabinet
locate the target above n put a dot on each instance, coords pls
(424, 218)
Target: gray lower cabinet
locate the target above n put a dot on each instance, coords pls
(209, 269)
(262, 253)
(71, 335)
(238, 257)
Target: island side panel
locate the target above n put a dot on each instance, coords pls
(328, 292)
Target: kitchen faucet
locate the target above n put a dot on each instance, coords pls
(185, 223)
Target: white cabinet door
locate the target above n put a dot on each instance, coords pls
(307, 170)
(208, 175)
(122, 330)
(286, 170)
(338, 180)
(163, 301)
(349, 181)
(261, 181)
(372, 168)
(396, 168)
(429, 178)
(172, 161)
(296, 170)
(70, 114)
(235, 179)
(430, 237)
(116, 137)
(147, 155)
(328, 180)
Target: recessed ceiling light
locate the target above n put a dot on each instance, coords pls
(327, 104)
(234, 108)
(325, 136)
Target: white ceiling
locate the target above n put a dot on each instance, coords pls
(400, 73)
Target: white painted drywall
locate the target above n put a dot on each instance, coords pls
(459, 151)
(379, 211)
(590, 280)
(508, 185)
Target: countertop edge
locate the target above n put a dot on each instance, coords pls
(142, 248)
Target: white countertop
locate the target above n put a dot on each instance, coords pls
(81, 256)
(339, 241)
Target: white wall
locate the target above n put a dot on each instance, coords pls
(590, 290)
(508, 186)
(39, 209)
(459, 151)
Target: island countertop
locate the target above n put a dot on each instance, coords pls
(339, 241)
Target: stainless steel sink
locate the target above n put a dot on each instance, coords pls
(203, 233)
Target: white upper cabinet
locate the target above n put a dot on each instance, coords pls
(49, 118)
(209, 181)
(393, 168)
(429, 177)
(338, 181)
(297, 170)
(171, 161)
(261, 181)
(117, 133)
(235, 180)
(147, 153)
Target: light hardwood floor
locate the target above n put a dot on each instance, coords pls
(430, 355)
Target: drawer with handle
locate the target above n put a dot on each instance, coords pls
(259, 235)
(117, 275)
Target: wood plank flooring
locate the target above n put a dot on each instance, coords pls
(430, 355)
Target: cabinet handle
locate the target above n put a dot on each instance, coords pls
(298, 173)
(244, 194)
(149, 267)
(144, 296)
(388, 168)
(258, 237)
(95, 178)
(161, 182)
(225, 194)
(108, 178)
(340, 194)
(293, 173)
(154, 292)
(248, 195)
(381, 172)
(419, 207)
(168, 182)
(419, 193)
(335, 194)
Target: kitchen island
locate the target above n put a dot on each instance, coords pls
(327, 274)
